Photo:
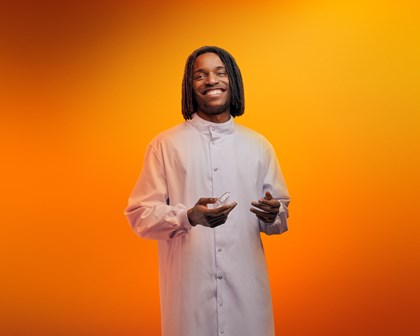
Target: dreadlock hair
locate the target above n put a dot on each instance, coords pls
(237, 101)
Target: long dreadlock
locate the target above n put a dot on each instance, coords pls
(237, 101)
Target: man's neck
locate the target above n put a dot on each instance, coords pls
(215, 118)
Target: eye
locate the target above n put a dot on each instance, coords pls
(221, 73)
(199, 76)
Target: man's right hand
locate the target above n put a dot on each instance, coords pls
(202, 215)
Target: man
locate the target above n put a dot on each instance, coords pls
(213, 274)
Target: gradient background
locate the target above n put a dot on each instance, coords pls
(84, 86)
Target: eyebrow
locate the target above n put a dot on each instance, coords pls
(217, 68)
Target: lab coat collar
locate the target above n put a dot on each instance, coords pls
(212, 130)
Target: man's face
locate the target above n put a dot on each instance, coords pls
(211, 84)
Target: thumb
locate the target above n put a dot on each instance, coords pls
(206, 200)
(268, 195)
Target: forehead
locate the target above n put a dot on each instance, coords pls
(207, 61)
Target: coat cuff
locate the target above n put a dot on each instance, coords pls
(183, 220)
(279, 225)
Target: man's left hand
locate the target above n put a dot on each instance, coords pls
(266, 209)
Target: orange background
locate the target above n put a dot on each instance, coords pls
(84, 86)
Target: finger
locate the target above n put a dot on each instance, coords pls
(266, 208)
(217, 221)
(265, 219)
(216, 217)
(227, 212)
(223, 208)
(263, 213)
(259, 206)
(216, 224)
(268, 195)
(261, 218)
(206, 200)
(273, 202)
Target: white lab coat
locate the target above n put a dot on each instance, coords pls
(212, 281)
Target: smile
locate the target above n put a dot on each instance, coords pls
(214, 92)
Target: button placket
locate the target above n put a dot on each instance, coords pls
(218, 188)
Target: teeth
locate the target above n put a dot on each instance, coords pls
(214, 92)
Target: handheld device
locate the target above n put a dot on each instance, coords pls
(222, 199)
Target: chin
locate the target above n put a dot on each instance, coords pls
(215, 109)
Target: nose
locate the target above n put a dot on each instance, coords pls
(212, 79)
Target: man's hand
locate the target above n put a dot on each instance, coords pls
(267, 208)
(201, 214)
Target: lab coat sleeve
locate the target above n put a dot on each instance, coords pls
(148, 211)
(275, 184)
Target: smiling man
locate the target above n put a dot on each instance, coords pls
(213, 274)
(211, 87)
